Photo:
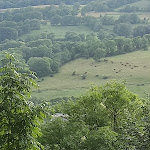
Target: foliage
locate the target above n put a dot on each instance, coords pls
(99, 119)
(123, 29)
(105, 5)
(8, 33)
(99, 53)
(40, 65)
(20, 118)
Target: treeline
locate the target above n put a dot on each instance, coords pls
(45, 54)
(130, 9)
(19, 22)
(24, 3)
(22, 21)
(12, 30)
(103, 6)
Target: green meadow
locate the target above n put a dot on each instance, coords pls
(141, 4)
(133, 67)
(59, 31)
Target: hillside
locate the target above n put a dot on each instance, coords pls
(63, 33)
(133, 67)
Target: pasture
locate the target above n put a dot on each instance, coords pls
(142, 4)
(133, 67)
(59, 31)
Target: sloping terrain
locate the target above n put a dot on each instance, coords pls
(133, 67)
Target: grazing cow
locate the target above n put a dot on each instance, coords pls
(74, 73)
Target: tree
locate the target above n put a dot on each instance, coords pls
(51, 36)
(146, 136)
(26, 28)
(93, 44)
(102, 34)
(65, 56)
(55, 20)
(19, 117)
(147, 36)
(41, 51)
(97, 26)
(110, 47)
(8, 33)
(40, 65)
(123, 29)
(107, 117)
(129, 18)
(137, 42)
(12, 44)
(35, 24)
(99, 53)
(107, 20)
(139, 31)
(72, 36)
(120, 42)
(36, 43)
(76, 7)
(145, 43)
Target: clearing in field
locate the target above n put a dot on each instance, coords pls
(133, 67)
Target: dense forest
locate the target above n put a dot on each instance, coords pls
(108, 116)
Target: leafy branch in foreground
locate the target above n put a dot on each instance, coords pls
(19, 118)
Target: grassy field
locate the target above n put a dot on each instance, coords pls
(59, 31)
(142, 4)
(97, 14)
(116, 14)
(133, 67)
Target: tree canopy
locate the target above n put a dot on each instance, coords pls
(108, 117)
(20, 118)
